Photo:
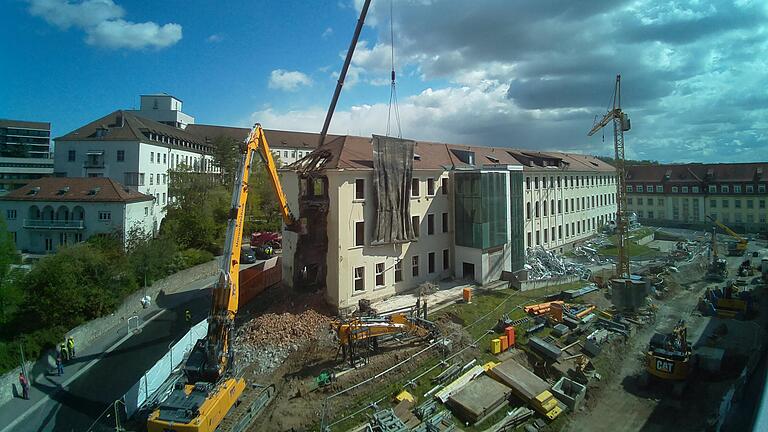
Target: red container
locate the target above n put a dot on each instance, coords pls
(504, 343)
(510, 332)
(256, 279)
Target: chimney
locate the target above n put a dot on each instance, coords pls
(120, 119)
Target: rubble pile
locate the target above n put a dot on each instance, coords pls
(268, 339)
(544, 264)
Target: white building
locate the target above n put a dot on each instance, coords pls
(164, 108)
(467, 202)
(52, 212)
(134, 151)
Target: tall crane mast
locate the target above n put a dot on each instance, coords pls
(621, 124)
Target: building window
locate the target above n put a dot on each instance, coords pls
(713, 203)
(545, 207)
(559, 206)
(446, 259)
(685, 189)
(659, 188)
(629, 188)
(558, 181)
(712, 188)
(695, 189)
(527, 182)
(535, 182)
(399, 271)
(444, 185)
(527, 210)
(761, 188)
(445, 222)
(724, 189)
(639, 188)
(360, 233)
(146, 211)
(163, 198)
(10, 214)
(650, 214)
(165, 178)
(725, 203)
(360, 189)
(71, 155)
(158, 178)
(105, 216)
(750, 204)
(552, 206)
(151, 157)
(538, 238)
(567, 234)
(414, 187)
(761, 204)
(639, 200)
(566, 205)
(546, 239)
(737, 203)
(537, 209)
(165, 158)
(750, 188)
(121, 155)
(359, 276)
(430, 186)
(431, 262)
(415, 266)
(415, 223)
(151, 179)
(736, 188)
(674, 189)
(430, 224)
(379, 274)
(529, 239)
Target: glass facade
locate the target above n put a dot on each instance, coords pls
(481, 212)
(516, 220)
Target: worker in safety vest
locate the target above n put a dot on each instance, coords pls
(64, 353)
(71, 347)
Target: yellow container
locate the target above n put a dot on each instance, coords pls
(495, 346)
(504, 343)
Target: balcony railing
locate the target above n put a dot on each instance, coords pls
(53, 224)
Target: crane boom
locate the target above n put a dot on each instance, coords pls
(620, 125)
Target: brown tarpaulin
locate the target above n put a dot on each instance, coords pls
(392, 174)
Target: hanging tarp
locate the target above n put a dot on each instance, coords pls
(392, 174)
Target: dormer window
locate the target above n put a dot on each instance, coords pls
(33, 191)
(94, 191)
(63, 190)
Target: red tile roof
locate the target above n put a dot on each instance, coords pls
(83, 189)
(698, 173)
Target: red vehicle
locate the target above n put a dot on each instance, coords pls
(264, 243)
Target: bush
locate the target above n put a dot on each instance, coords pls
(190, 258)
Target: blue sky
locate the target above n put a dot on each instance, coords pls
(526, 74)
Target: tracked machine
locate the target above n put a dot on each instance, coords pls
(213, 382)
(717, 269)
(669, 357)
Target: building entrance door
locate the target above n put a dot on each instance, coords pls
(468, 270)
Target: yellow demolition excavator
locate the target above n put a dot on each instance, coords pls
(212, 385)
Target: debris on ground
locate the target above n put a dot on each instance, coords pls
(547, 264)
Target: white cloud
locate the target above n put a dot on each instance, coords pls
(214, 38)
(285, 80)
(102, 22)
(327, 32)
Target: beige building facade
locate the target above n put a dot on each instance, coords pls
(349, 267)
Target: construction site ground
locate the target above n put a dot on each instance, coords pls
(284, 339)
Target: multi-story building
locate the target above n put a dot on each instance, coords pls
(52, 212)
(685, 194)
(286, 146)
(164, 108)
(24, 152)
(474, 210)
(135, 151)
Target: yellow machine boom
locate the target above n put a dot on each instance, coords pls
(212, 385)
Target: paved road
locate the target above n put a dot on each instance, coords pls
(103, 376)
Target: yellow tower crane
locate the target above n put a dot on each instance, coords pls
(621, 124)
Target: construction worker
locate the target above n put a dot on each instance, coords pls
(59, 364)
(24, 385)
(71, 347)
(188, 317)
(63, 351)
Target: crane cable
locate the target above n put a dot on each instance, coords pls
(393, 107)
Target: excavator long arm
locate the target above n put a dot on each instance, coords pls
(729, 231)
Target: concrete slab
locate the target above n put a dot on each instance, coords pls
(478, 399)
(524, 383)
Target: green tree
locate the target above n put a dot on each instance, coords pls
(10, 295)
(77, 284)
(150, 258)
(227, 154)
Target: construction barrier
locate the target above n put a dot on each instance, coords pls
(153, 378)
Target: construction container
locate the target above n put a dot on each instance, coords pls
(258, 278)
(467, 295)
(510, 332)
(495, 346)
(504, 343)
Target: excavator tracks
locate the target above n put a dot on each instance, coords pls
(252, 404)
